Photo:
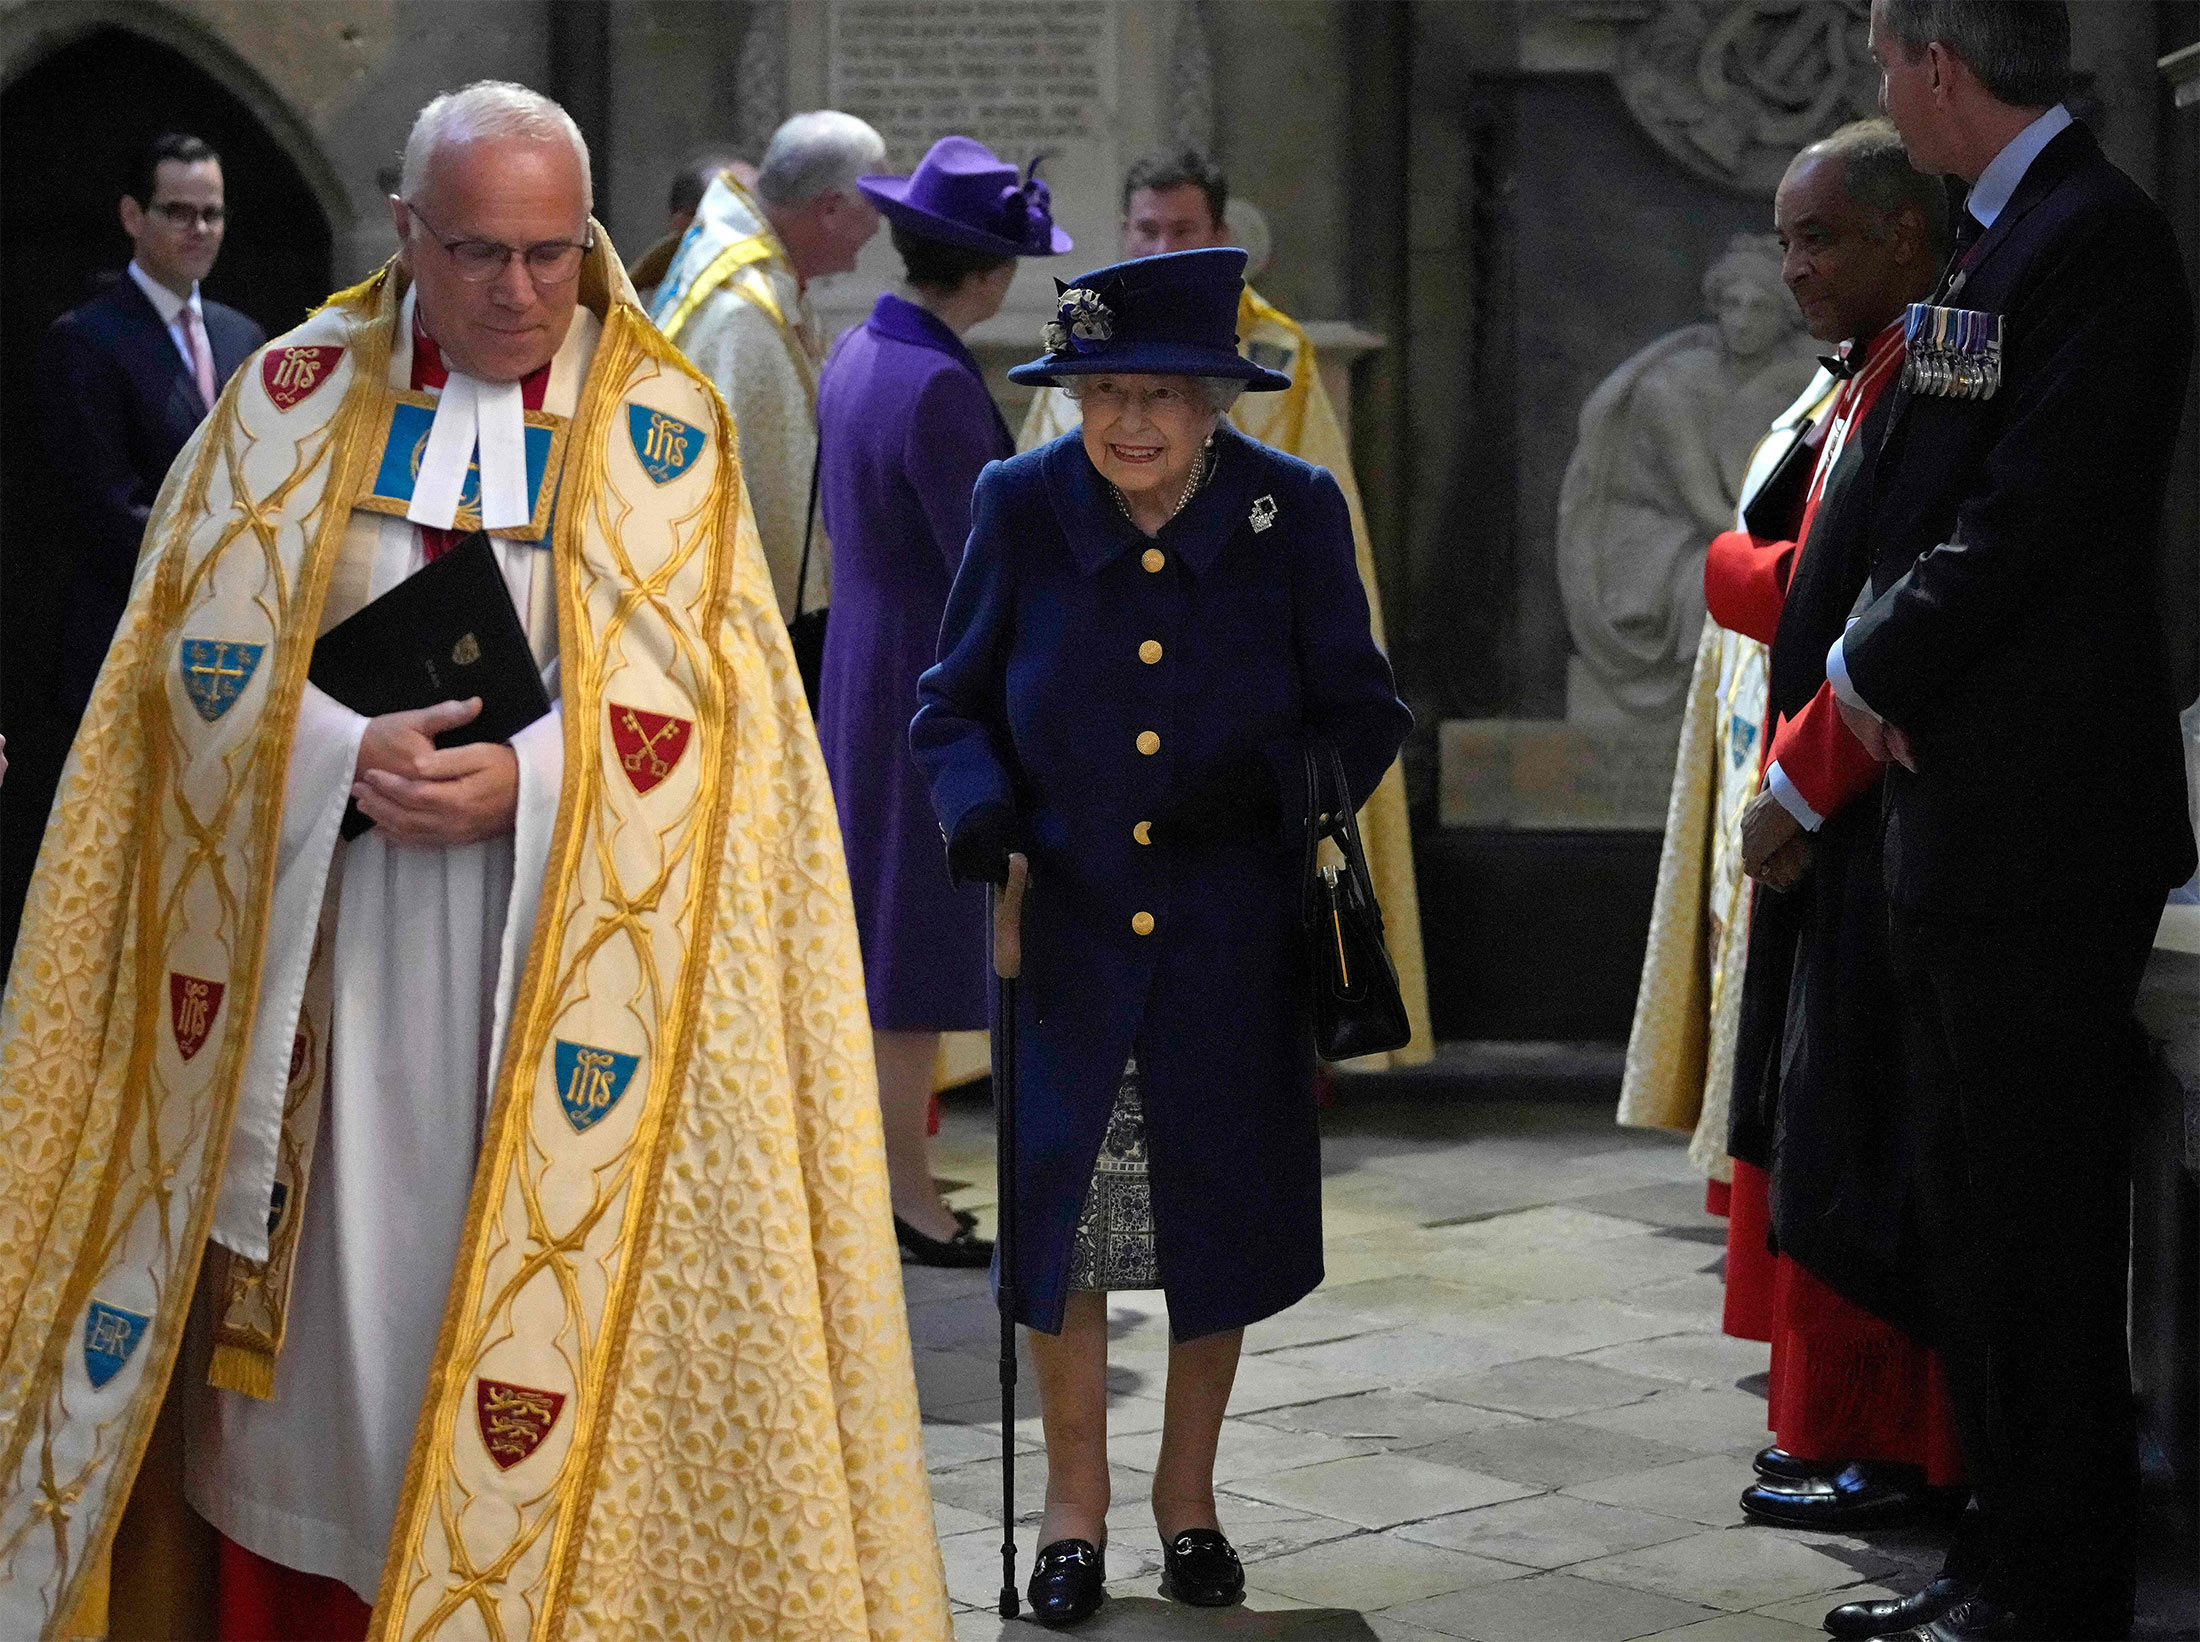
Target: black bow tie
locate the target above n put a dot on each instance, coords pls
(1838, 368)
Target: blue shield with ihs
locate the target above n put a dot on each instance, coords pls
(215, 672)
(590, 1082)
(666, 446)
(111, 1335)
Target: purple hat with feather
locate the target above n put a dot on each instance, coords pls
(964, 193)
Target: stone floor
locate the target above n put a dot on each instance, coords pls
(1508, 1415)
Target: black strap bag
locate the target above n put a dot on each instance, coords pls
(1357, 1008)
(807, 628)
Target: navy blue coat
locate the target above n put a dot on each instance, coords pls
(1039, 700)
(122, 405)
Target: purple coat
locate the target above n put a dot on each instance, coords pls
(905, 424)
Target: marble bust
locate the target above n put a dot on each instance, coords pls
(1663, 444)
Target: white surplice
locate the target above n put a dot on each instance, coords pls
(429, 944)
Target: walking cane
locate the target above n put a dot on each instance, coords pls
(1008, 963)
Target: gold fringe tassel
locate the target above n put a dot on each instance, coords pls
(247, 1370)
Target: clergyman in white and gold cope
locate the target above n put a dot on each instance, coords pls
(634, 1223)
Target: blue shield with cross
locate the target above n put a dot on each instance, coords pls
(215, 672)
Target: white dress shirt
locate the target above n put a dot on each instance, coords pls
(1988, 198)
(171, 309)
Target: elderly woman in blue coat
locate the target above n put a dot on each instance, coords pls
(1154, 618)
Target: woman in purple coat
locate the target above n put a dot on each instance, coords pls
(904, 425)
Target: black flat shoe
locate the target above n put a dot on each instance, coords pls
(1859, 1621)
(1067, 1583)
(1861, 1496)
(965, 1249)
(1199, 1567)
(1776, 1464)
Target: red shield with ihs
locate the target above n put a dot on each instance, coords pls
(648, 744)
(289, 374)
(514, 1419)
(192, 1006)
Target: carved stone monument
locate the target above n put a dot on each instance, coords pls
(1732, 88)
(1664, 442)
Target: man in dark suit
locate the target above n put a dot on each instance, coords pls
(2010, 665)
(133, 372)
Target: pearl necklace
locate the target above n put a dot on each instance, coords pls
(1198, 477)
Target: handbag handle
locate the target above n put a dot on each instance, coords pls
(1334, 817)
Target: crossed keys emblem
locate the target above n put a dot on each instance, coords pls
(649, 745)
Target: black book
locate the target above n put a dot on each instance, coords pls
(1777, 508)
(444, 633)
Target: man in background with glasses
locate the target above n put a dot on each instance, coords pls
(134, 371)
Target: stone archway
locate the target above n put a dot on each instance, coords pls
(83, 88)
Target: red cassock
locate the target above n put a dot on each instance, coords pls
(1844, 1384)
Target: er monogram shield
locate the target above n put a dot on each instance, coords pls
(648, 744)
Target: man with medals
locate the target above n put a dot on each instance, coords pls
(1861, 1425)
(1176, 203)
(735, 300)
(2007, 664)
(529, 1141)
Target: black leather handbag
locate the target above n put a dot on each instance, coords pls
(1357, 1008)
(807, 628)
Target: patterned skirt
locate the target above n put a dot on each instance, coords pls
(1114, 1247)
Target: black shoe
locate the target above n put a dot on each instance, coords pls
(964, 1249)
(1857, 1621)
(1199, 1567)
(1068, 1582)
(1862, 1496)
(1778, 1465)
(1979, 1618)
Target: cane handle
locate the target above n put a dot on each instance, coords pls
(1008, 927)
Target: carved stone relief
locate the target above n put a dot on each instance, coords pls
(1732, 88)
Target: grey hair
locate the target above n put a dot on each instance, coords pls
(488, 108)
(817, 153)
(1876, 172)
(2019, 49)
(1218, 393)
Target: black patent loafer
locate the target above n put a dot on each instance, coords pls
(1861, 1496)
(1860, 1621)
(1776, 1464)
(965, 1249)
(1067, 1583)
(1200, 1568)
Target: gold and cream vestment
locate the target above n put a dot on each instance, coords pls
(669, 1392)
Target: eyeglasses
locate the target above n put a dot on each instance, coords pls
(177, 214)
(549, 262)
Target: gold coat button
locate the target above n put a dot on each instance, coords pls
(1142, 923)
(1148, 743)
(1153, 559)
(1150, 652)
(1143, 832)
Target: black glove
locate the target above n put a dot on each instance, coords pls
(1233, 803)
(978, 853)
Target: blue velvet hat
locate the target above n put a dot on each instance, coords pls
(964, 193)
(1170, 315)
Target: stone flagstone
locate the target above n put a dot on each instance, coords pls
(1548, 1530)
(1735, 1568)
(1550, 1608)
(1381, 1490)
